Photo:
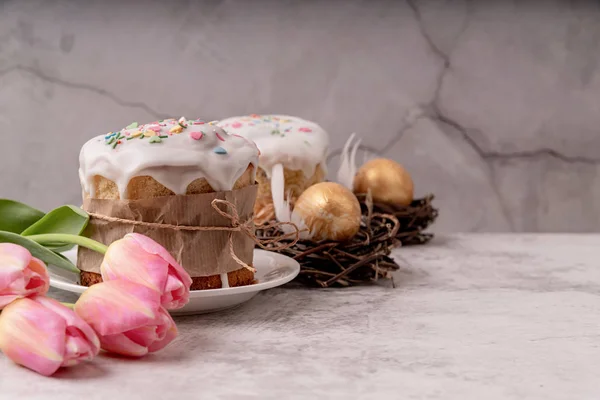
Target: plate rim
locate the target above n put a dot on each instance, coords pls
(257, 287)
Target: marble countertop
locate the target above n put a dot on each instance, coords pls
(483, 316)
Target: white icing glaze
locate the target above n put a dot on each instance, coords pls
(295, 143)
(224, 281)
(200, 150)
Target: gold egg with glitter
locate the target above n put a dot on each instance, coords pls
(388, 181)
(330, 211)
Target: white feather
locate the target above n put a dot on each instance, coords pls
(347, 169)
(353, 163)
(302, 227)
(283, 211)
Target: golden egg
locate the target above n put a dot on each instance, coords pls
(330, 211)
(389, 182)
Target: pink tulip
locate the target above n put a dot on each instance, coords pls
(21, 275)
(43, 335)
(139, 259)
(127, 317)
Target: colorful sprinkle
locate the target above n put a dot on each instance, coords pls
(176, 129)
(219, 150)
(109, 135)
(116, 140)
(163, 136)
(155, 128)
(155, 139)
(135, 134)
(196, 135)
(219, 136)
(149, 133)
(236, 125)
(132, 125)
(305, 130)
(182, 122)
(213, 122)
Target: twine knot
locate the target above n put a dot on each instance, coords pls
(246, 227)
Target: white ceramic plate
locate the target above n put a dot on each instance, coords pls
(272, 270)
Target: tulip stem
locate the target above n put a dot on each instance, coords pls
(63, 238)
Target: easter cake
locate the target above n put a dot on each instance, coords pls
(300, 146)
(146, 164)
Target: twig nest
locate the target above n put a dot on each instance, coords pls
(388, 181)
(329, 210)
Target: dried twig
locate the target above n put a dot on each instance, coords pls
(365, 258)
(414, 219)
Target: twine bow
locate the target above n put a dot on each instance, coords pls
(246, 227)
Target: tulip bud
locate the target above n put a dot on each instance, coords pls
(139, 259)
(43, 335)
(21, 275)
(127, 317)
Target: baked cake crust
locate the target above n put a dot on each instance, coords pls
(167, 158)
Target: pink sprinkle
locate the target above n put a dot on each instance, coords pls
(305, 130)
(196, 135)
(199, 123)
(236, 125)
(154, 128)
(127, 133)
(219, 136)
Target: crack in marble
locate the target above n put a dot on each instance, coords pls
(410, 119)
(493, 155)
(438, 115)
(421, 110)
(425, 34)
(86, 87)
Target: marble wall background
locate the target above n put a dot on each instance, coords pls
(493, 106)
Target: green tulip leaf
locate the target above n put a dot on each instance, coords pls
(66, 219)
(15, 217)
(38, 251)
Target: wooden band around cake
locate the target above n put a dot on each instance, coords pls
(200, 252)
